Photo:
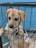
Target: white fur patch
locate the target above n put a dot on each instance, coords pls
(6, 26)
(26, 37)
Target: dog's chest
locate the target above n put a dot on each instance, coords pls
(15, 35)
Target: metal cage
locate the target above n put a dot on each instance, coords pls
(26, 7)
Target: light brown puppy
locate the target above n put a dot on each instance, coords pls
(14, 22)
(16, 33)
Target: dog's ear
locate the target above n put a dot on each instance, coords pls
(8, 11)
(22, 15)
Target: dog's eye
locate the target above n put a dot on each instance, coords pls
(9, 18)
(16, 19)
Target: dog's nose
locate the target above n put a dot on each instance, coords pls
(11, 26)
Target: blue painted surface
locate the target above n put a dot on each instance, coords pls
(11, 1)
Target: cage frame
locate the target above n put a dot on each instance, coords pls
(19, 4)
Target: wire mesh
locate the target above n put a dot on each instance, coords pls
(30, 34)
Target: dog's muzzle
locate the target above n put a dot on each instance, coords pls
(11, 26)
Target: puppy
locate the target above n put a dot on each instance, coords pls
(14, 28)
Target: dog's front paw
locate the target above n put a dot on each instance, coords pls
(1, 31)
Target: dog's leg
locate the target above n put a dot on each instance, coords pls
(21, 43)
(21, 32)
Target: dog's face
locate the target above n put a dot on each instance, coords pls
(14, 17)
